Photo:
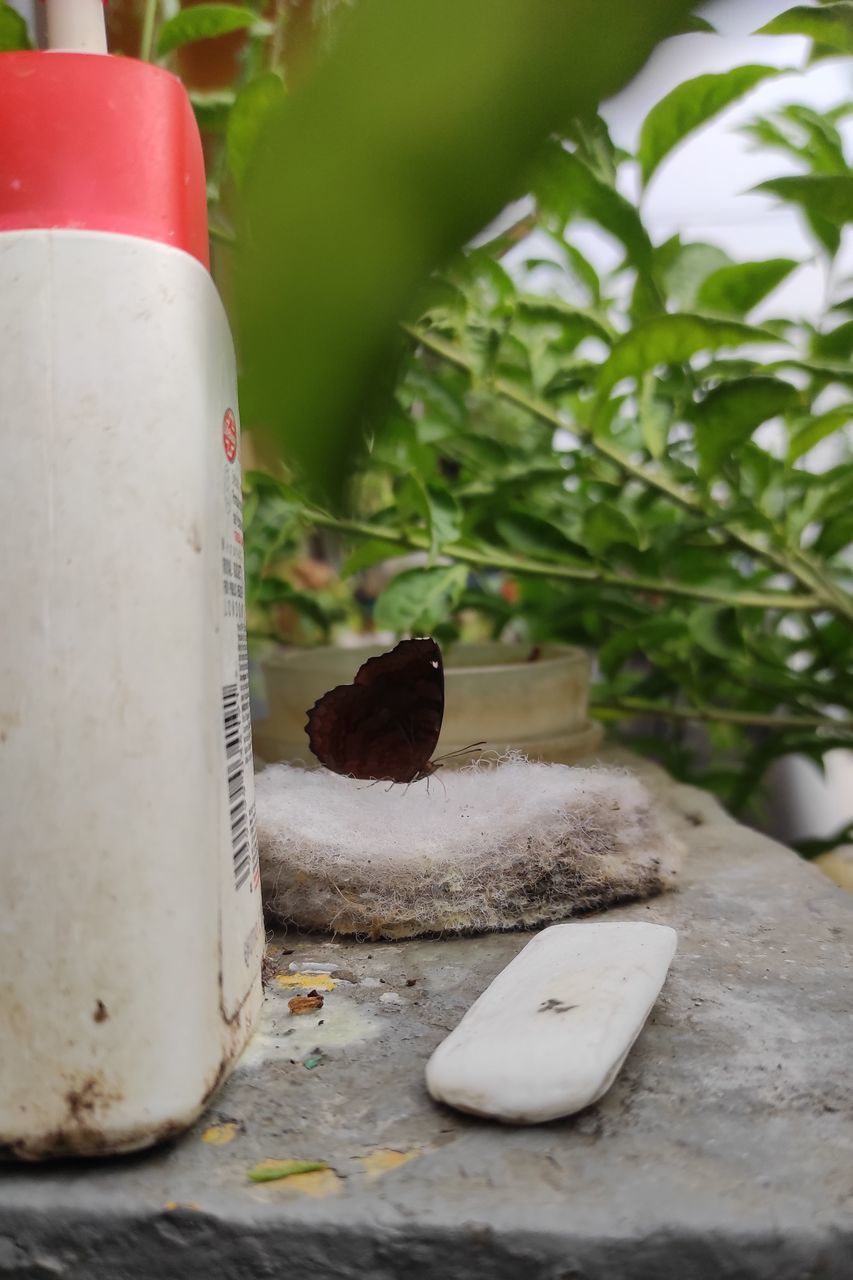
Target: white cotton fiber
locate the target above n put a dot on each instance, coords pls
(486, 847)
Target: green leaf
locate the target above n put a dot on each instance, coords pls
(837, 343)
(706, 625)
(374, 551)
(690, 105)
(693, 23)
(567, 188)
(213, 108)
(248, 117)
(435, 506)
(655, 418)
(14, 35)
(683, 268)
(605, 525)
(829, 196)
(444, 518)
(531, 535)
(731, 412)
(419, 599)
(202, 22)
(411, 133)
(736, 289)
(670, 339)
(830, 25)
(809, 432)
(273, 1170)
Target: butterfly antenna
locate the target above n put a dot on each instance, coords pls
(460, 751)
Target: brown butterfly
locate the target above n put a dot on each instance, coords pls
(385, 725)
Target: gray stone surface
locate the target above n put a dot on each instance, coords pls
(723, 1152)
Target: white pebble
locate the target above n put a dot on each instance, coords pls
(550, 1034)
(313, 966)
(390, 997)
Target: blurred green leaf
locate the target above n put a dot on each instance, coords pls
(414, 131)
(837, 343)
(605, 525)
(14, 35)
(685, 266)
(419, 599)
(370, 553)
(248, 116)
(668, 339)
(737, 288)
(830, 196)
(693, 23)
(707, 626)
(731, 412)
(690, 105)
(806, 434)
(830, 25)
(201, 23)
(655, 416)
(567, 188)
(533, 535)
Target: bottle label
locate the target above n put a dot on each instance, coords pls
(243, 877)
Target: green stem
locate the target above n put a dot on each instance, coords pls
(824, 593)
(495, 558)
(149, 19)
(642, 707)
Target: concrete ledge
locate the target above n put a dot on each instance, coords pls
(724, 1150)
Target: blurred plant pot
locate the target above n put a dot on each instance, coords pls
(493, 692)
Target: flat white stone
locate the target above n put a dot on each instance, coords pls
(550, 1034)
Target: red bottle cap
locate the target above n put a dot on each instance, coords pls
(97, 143)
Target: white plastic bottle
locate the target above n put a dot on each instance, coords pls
(130, 923)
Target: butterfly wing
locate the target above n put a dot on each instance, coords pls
(385, 725)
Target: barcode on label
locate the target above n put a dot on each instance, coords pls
(241, 827)
(246, 714)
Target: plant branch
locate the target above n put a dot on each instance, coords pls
(149, 19)
(640, 706)
(496, 558)
(825, 593)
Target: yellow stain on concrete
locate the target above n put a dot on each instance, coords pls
(382, 1161)
(309, 981)
(318, 1184)
(219, 1135)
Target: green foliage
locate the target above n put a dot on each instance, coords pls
(13, 30)
(201, 23)
(624, 462)
(691, 105)
(830, 25)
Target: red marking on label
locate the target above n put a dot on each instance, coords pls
(229, 435)
(238, 537)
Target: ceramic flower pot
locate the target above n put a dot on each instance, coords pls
(511, 697)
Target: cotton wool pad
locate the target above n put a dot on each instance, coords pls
(511, 845)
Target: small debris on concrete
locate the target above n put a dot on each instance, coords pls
(272, 1170)
(391, 997)
(305, 1004)
(343, 975)
(219, 1135)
